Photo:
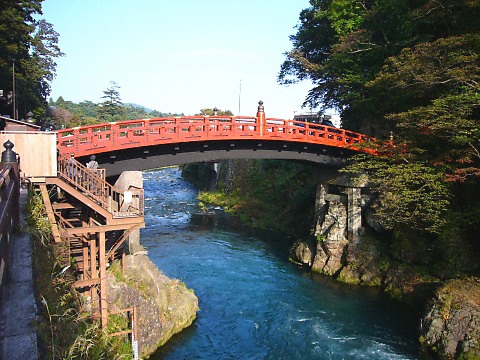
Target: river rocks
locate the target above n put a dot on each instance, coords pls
(451, 327)
(303, 253)
(164, 306)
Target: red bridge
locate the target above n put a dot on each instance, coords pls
(150, 143)
(95, 223)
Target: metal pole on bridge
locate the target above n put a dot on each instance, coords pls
(261, 117)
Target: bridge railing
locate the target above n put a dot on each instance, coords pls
(145, 132)
(92, 183)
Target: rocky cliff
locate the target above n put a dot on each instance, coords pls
(164, 306)
(451, 327)
(355, 254)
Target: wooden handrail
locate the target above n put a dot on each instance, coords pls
(93, 185)
(5, 173)
(119, 241)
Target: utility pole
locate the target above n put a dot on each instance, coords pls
(14, 92)
(240, 98)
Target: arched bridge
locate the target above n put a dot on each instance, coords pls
(150, 143)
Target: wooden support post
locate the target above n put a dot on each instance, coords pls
(103, 280)
(86, 269)
(134, 323)
(94, 275)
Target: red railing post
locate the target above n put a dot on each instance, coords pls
(261, 118)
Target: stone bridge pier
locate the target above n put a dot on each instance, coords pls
(126, 181)
(351, 199)
(338, 228)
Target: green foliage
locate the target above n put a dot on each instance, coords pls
(93, 343)
(345, 16)
(443, 77)
(269, 195)
(37, 220)
(411, 67)
(198, 174)
(118, 322)
(111, 109)
(410, 193)
(117, 271)
(66, 114)
(231, 202)
(343, 45)
(321, 238)
(32, 45)
(210, 112)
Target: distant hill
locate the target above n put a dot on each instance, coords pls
(147, 110)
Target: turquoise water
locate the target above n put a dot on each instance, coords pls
(254, 304)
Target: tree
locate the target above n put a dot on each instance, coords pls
(31, 45)
(211, 112)
(112, 106)
(342, 45)
(411, 67)
(62, 118)
(442, 80)
(135, 112)
(44, 50)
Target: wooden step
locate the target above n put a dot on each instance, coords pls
(62, 206)
(86, 283)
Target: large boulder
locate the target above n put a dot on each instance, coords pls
(303, 253)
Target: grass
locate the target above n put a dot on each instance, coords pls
(230, 202)
(116, 269)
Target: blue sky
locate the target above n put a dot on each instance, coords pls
(178, 55)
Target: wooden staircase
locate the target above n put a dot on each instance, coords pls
(90, 221)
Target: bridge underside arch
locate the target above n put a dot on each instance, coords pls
(144, 158)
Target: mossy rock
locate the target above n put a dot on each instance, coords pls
(451, 327)
(348, 275)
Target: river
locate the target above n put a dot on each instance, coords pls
(255, 304)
